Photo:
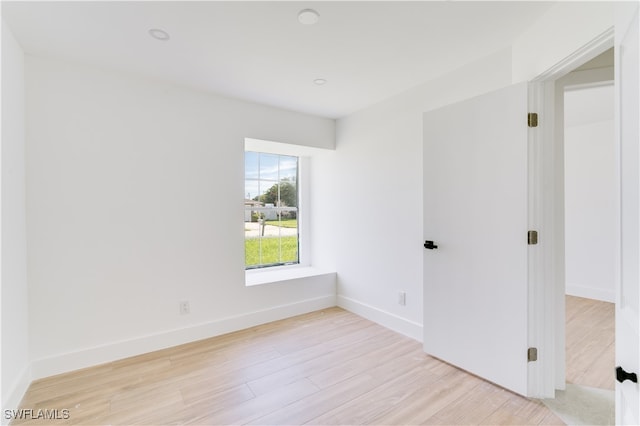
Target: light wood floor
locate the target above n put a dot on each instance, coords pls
(590, 343)
(326, 367)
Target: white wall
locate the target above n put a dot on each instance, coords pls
(134, 203)
(15, 333)
(378, 170)
(590, 193)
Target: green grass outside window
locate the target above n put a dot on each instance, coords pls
(270, 250)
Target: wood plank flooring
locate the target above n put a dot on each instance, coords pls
(590, 342)
(327, 367)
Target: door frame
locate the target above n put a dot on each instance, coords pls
(546, 214)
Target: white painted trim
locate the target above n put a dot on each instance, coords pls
(591, 293)
(117, 350)
(587, 52)
(386, 319)
(12, 401)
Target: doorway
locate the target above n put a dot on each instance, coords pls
(585, 113)
(590, 207)
(590, 179)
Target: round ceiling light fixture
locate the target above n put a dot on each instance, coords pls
(159, 34)
(320, 81)
(308, 17)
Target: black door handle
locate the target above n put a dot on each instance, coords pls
(622, 375)
(430, 245)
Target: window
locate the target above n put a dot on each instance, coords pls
(271, 210)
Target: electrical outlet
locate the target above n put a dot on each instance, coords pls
(402, 298)
(185, 308)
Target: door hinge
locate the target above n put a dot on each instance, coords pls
(532, 354)
(532, 119)
(532, 238)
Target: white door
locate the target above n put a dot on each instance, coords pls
(475, 212)
(628, 294)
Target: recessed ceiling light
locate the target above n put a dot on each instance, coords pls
(159, 34)
(308, 17)
(320, 81)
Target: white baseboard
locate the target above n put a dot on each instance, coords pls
(12, 401)
(386, 319)
(591, 293)
(117, 350)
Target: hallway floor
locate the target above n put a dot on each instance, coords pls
(589, 397)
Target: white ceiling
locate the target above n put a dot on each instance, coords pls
(258, 51)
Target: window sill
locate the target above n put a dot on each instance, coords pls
(280, 274)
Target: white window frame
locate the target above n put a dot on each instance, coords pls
(278, 148)
(269, 211)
